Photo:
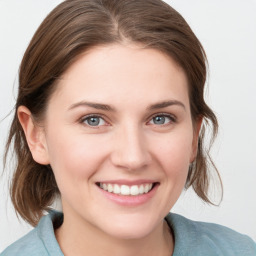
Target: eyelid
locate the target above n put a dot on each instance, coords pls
(171, 116)
(82, 120)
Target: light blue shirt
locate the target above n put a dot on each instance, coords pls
(191, 239)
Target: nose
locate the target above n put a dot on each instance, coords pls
(130, 149)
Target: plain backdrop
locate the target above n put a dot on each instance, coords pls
(227, 30)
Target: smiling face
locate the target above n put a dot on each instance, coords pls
(119, 137)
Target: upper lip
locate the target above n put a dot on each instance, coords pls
(128, 182)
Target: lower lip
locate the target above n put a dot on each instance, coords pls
(130, 200)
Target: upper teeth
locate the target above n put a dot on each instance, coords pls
(126, 190)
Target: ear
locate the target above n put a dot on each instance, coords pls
(197, 126)
(35, 136)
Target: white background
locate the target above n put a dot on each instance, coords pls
(227, 30)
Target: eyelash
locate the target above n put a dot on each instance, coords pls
(172, 118)
(86, 118)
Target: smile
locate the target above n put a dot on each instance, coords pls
(126, 190)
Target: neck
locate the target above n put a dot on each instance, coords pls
(77, 239)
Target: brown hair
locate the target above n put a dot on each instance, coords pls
(69, 30)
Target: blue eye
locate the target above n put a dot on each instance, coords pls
(93, 121)
(162, 119)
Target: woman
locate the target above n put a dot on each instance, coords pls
(110, 115)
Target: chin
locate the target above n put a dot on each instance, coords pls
(131, 227)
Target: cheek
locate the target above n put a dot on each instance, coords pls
(75, 157)
(174, 154)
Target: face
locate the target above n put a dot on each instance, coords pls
(119, 137)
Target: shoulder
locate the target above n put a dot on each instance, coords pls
(40, 241)
(30, 244)
(201, 238)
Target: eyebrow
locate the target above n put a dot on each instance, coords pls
(92, 105)
(106, 107)
(165, 104)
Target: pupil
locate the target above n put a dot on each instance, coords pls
(93, 121)
(159, 120)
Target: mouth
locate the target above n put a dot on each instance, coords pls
(127, 190)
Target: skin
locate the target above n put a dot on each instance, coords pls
(127, 144)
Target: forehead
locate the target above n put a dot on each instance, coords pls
(109, 73)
